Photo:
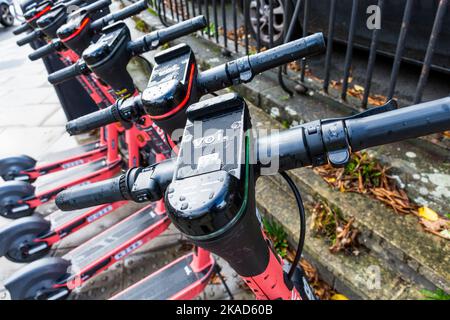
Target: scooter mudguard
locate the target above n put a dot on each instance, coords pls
(13, 234)
(36, 277)
(11, 192)
(12, 166)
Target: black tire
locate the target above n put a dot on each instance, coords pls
(6, 16)
(281, 21)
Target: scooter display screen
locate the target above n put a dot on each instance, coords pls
(214, 137)
(51, 17)
(73, 23)
(105, 45)
(168, 85)
(209, 186)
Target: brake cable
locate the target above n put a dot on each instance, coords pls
(301, 211)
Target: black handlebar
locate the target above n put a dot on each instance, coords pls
(33, 35)
(68, 73)
(22, 28)
(296, 147)
(44, 51)
(91, 121)
(316, 142)
(156, 38)
(97, 5)
(246, 68)
(137, 184)
(124, 13)
(90, 195)
(401, 124)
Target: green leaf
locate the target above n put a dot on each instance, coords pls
(439, 294)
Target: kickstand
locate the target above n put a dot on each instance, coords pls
(217, 269)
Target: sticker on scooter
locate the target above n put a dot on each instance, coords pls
(187, 270)
(99, 214)
(128, 250)
(72, 164)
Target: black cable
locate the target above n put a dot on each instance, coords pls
(222, 279)
(301, 211)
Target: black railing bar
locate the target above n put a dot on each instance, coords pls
(163, 5)
(246, 29)
(437, 25)
(330, 37)
(305, 33)
(236, 46)
(177, 13)
(372, 57)
(171, 9)
(208, 20)
(216, 22)
(200, 12)
(183, 17)
(271, 23)
(286, 39)
(349, 53)
(193, 8)
(258, 26)
(400, 48)
(224, 24)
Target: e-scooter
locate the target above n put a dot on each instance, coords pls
(142, 226)
(220, 156)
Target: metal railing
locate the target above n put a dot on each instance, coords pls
(231, 30)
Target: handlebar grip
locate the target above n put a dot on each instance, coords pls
(22, 28)
(154, 39)
(97, 5)
(244, 69)
(65, 74)
(35, 34)
(90, 195)
(124, 13)
(91, 121)
(131, 10)
(291, 51)
(401, 124)
(181, 29)
(43, 51)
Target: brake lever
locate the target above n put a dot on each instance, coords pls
(388, 106)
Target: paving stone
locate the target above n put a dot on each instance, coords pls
(58, 118)
(33, 141)
(28, 115)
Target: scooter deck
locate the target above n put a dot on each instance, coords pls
(55, 180)
(69, 153)
(176, 280)
(105, 243)
(59, 217)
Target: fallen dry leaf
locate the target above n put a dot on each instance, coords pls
(440, 227)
